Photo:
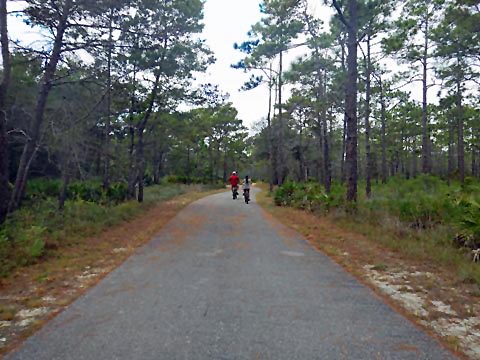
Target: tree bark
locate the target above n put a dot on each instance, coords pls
(460, 146)
(32, 143)
(140, 149)
(280, 146)
(368, 172)
(140, 164)
(326, 150)
(426, 161)
(132, 178)
(344, 130)
(474, 161)
(106, 154)
(62, 197)
(271, 161)
(384, 135)
(225, 166)
(351, 104)
(451, 137)
(4, 161)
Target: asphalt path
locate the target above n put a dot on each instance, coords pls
(224, 280)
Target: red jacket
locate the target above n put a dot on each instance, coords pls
(234, 180)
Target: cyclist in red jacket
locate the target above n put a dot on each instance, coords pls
(234, 180)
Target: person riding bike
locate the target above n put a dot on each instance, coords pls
(246, 189)
(234, 180)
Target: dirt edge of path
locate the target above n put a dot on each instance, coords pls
(427, 295)
(31, 296)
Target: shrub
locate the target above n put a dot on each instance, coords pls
(42, 188)
(85, 190)
(468, 219)
(117, 192)
(285, 193)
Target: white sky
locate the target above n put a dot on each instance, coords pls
(227, 22)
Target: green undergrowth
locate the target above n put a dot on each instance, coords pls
(423, 218)
(35, 231)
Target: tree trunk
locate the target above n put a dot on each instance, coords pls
(460, 146)
(271, 161)
(32, 143)
(301, 163)
(188, 169)
(157, 167)
(132, 178)
(368, 172)
(140, 155)
(451, 137)
(106, 145)
(4, 162)
(225, 166)
(281, 155)
(384, 135)
(344, 131)
(425, 127)
(141, 165)
(326, 150)
(62, 197)
(414, 160)
(474, 161)
(351, 105)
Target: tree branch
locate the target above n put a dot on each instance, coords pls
(340, 14)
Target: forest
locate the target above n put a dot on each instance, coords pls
(108, 107)
(104, 106)
(381, 118)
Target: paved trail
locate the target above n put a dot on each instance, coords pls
(224, 280)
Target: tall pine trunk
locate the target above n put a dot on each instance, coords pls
(369, 166)
(4, 191)
(384, 130)
(132, 176)
(326, 150)
(425, 127)
(280, 146)
(106, 145)
(450, 153)
(460, 146)
(32, 143)
(271, 161)
(344, 129)
(351, 104)
(140, 149)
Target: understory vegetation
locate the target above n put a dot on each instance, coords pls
(37, 230)
(424, 218)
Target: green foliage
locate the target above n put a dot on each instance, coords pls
(42, 188)
(310, 196)
(117, 192)
(468, 217)
(421, 203)
(92, 191)
(34, 232)
(86, 191)
(183, 179)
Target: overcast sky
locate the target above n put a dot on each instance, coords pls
(227, 22)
